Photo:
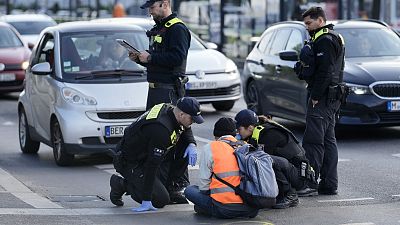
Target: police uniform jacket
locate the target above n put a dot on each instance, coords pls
(146, 142)
(279, 141)
(327, 51)
(169, 45)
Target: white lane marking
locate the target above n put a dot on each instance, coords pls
(8, 123)
(204, 140)
(344, 160)
(358, 223)
(90, 211)
(395, 195)
(396, 155)
(19, 190)
(105, 166)
(346, 200)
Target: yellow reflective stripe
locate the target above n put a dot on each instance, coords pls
(319, 33)
(158, 39)
(256, 132)
(173, 21)
(173, 137)
(154, 111)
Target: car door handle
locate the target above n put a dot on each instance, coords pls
(278, 69)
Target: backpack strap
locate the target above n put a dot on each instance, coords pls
(224, 182)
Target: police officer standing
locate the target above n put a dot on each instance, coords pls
(145, 154)
(324, 78)
(166, 58)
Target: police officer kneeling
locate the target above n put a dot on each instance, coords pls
(146, 154)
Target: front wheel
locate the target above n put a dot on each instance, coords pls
(26, 143)
(223, 105)
(60, 154)
(253, 98)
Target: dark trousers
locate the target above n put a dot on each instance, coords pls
(319, 141)
(287, 176)
(204, 204)
(135, 186)
(161, 95)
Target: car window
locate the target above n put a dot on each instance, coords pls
(295, 41)
(262, 46)
(46, 51)
(280, 40)
(8, 38)
(84, 52)
(31, 27)
(195, 43)
(370, 42)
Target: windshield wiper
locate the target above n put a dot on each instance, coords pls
(111, 73)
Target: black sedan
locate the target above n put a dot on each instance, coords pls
(372, 70)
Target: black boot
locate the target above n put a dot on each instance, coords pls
(118, 188)
(176, 195)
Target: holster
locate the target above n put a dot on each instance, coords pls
(180, 85)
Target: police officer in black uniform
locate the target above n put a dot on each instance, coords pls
(323, 74)
(292, 170)
(166, 58)
(145, 154)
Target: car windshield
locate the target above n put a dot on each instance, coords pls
(31, 27)
(93, 53)
(367, 42)
(8, 38)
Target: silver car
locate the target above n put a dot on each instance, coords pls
(81, 89)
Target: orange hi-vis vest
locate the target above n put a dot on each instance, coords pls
(227, 168)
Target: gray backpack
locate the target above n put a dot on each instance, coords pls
(258, 187)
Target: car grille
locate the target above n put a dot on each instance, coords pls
(11, 83)
(387, 90)
(13, 67)
(389, 116)
(120, 115)
(232, 90)
(112, 140)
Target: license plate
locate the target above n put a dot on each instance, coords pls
(115, 131)
(201, 85)
(393, 106)
(7, 77)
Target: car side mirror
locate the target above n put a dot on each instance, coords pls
(31, 45)
(41, 68)
(211, 45)
(289, 55)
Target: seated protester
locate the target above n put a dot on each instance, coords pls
(212, 197)
(281, 144)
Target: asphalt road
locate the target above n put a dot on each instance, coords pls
(34, 190)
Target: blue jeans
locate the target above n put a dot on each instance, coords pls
(204, 204)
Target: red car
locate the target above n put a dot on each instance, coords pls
(14, 59)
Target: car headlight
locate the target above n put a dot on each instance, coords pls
(75, 97)
(231, 67)
(24, 65)
(358, 89)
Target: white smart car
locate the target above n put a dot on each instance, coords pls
(81, 89)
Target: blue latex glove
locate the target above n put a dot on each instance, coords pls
(238, 137)
(146, 206)
(191, 151)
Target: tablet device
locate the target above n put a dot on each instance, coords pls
(126, 45)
